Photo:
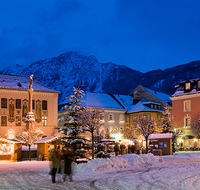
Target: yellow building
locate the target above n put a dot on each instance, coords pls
(14, 100)
(144, 102)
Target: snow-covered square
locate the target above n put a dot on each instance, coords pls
(180, 171)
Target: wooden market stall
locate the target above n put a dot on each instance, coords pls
(11, 149)
(163, 142)
(45, 145)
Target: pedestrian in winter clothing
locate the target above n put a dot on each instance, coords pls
(138, 148)
(129, 149)
(55, 158)
(122, 148)
(133, 148)
(68, 156)
(116, 149)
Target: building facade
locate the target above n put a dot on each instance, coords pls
(185, 105)
(113, 116)
(144, 102)
(14, 101)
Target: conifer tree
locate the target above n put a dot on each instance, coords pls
(72, 121)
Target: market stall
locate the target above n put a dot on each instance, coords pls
(10, 149)
(45, 145)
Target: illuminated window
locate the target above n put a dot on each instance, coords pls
(3, 102)
(18, 104)
(187, 106)
(18, 121)
(3, 120)
(187, 121)
(121, 118)
(44, 105)
(44, 121)
(134, 117)
(187, 86)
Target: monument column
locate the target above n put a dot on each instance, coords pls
(30, 118)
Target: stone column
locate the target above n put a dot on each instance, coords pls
(30, 118)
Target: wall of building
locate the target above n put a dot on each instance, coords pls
(51, 113)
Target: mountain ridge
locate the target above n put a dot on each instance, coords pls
(71, 69)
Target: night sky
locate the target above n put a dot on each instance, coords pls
(141, 34)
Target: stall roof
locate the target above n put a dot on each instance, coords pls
(161, 136)
(12, 140)
(46, 139)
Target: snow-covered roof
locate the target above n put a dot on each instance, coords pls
(140, 106)
(11, 140)
(161, 136)
(46, 140)
(19, 82)
(162, 96)
(125, 100)
(98, 100)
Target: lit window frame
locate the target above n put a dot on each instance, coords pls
(187, 105)
(44, 121)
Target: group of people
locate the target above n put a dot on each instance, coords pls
(123, 149)
(60, 162)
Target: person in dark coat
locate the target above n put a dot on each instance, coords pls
(116, 149)
(129, 149)
(133, 148)
(68, 157)
(56, 160)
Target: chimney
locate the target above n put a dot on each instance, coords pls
(136, 97)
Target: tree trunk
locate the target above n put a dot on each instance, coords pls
(146, 145)
(29, 146)
(92, 144)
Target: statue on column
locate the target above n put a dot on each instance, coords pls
(30, 118)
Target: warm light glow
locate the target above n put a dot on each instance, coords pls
(116, 136)
(181, 140)
(195, 140)
(140, 141)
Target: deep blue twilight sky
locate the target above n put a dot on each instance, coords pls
(141, 34)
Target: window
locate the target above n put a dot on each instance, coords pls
(101, 117)
(33, 104)
(160, 144)
(110, 117)
(18, 104)
(187, 105)
(44, 121)
(134, 117)
(187, 121)
(159, 107)
(121, 118)
(3, 102)
(152, 106)
(145, 116)
(187, 86)
(127, 118)
(18, 121)
(155, 106)
(198, 84)
(3, 120)
(44, 105)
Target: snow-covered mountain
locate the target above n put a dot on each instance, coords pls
(70, 69)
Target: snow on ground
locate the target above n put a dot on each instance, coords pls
(180, 171)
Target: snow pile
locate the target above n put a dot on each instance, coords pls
(116, 163)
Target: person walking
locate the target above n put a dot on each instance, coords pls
(55, 158)
(116, 149)
(138, 148)
(68, 157)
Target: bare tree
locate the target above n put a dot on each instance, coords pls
(166, 121)
(195, 124)
(146, 127)
(29, 137)
(91, 121)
